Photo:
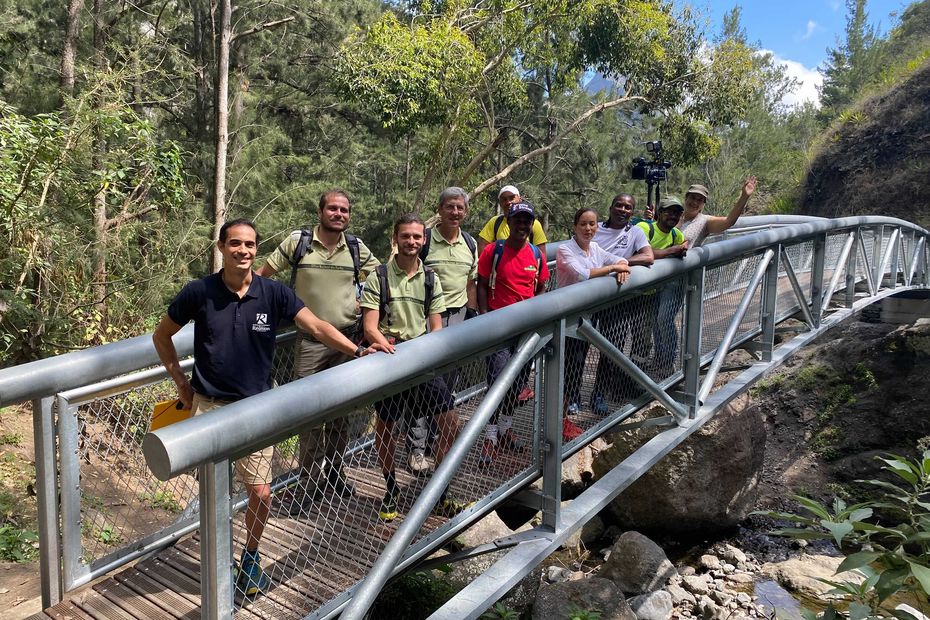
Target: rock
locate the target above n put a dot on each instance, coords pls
(686, 571)
(486, 530)
(637, 565)
(706, 608)
(577, 473)
(743, 599)
(709, 562)
(801, 574)
(693, 489)
(578, 575)
(728, 568)
(733, 555)
(556, 574)
(721, 598)
(520, 596)
(696, 584)
(592, 531)
(740, 578)
(680, 595)
(560, 599)
(652, 606)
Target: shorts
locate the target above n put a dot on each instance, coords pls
(253, 469)
(427, 399)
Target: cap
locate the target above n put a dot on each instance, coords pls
(700, 190)
(521, 207)
(668, 202)
(512, 189)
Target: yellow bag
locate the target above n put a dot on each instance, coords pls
(168, 412)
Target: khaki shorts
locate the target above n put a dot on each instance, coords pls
(253, 469)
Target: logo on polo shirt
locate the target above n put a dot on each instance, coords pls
(261, 323)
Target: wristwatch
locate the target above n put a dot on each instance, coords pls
(361, 349)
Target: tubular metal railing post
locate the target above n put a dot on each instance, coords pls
(769, 307)
(71, 547)
(887, 255)
(691, 338)
(867, 268)
(43, 428)
(368, 589)
(851, 263)
(916, 260)
(551, 441)
(895, 247)
(733, 327)
(216, 558)
(838, 269)
(817, 269)
(877, 267)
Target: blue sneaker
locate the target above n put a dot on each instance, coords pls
(599, 405)
(250, 578)
(574, 408)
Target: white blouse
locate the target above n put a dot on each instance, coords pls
(573, 265)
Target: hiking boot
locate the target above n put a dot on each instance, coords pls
(250, 578)
(570, 430)
(337, 485)
(417, 463)
(449, 505)
(525, 394)
(509, 441)
(574, 408)
(388, 510)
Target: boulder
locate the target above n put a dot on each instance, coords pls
(709, 483)
(680, 595)
(652, 606)
(801, 574)
(637, 565)
(559, 600)
(520, 596)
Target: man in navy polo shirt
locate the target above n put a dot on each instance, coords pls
(235, 314)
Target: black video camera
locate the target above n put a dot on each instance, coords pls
(651, 171)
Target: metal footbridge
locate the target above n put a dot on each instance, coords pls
(155, 519)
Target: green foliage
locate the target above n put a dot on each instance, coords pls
(886, 540)
(163, 499)
(18, 545)
(413, 596)
(107, 534)
(583, 614)
(11, 439)
(500, 612)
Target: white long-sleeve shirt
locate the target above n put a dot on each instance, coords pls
(573, 265)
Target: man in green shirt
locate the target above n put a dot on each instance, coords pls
(325, 277)
(402, 312)
(658, 313)
(452, 254)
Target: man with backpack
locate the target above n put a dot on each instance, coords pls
(509, 271)
(399, 302)
(452, 254)
(327, 265)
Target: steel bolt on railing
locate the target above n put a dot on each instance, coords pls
(735, 292)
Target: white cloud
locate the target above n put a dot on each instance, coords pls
(811, 27)
(809, 80)
(835, 5)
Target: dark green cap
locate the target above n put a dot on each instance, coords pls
(669, 202)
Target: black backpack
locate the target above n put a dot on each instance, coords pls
(385, 297)
(306, 238)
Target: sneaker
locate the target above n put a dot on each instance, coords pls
(449, 505)
(570, 430)
(388, 510)
(574, 408)
(525, 394)
(250, 578)
(509, 441)
(599, 405)
(417, 463)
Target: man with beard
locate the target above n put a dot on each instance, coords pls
(400, 301)
(327, 265)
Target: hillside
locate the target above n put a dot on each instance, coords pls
(878, 160)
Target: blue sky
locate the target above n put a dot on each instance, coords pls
(798, 32)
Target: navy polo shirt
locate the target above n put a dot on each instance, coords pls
(233, 338)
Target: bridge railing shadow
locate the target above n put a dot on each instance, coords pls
(329, 524)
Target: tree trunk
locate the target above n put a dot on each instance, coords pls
(222, 126)
(69, 51)
(100, 197)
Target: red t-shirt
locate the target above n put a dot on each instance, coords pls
(516, 275)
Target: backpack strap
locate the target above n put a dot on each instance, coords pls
(498, 223)
(306, 238)
(428, 283)
(470, 242)
(652, 231)
(384, 291)
(495, 258)
(539, 259)
(355, 253)
(427, 239)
